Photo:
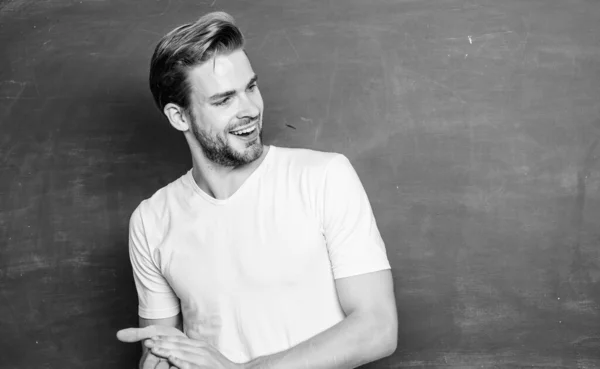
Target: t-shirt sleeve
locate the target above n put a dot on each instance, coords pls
(353, 240)
(155, 296)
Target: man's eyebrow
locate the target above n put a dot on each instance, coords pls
(252, 81)
(222, 95)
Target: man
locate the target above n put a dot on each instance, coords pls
(266, 257)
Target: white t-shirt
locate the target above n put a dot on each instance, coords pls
(254, 274)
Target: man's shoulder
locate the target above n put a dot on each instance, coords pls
(156, 205)
(305, 158)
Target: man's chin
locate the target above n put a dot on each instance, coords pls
(246, 154)
(254, 151)
(242, 145)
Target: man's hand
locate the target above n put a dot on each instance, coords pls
(149, 360)
(186, 353)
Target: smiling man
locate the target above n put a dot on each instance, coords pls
(258, 256)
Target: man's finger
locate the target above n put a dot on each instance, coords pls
(181, 364)
(167, 345)
(136, 334)
(163, 364)
(149, 361)
(182, 340)
(139, 334)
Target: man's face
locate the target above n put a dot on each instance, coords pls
(227, 109)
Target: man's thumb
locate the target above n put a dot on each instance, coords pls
(139, 334)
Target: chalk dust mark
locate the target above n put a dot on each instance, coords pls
(149, 31)
(264, 41)
(14, 6)
(595, 125)
(318, 131)
(14, 98)
(351, 26)
(523, 44)
(583, 173)
(486, 36)
(12, 81)
(6, 156)
(478, 51)
(28, 98)
(577, 220)
(35, 84)
(165, 10)
(291, 44)
(331, 87)
(586, 346)
(371, 28)
(13, 313)
(439, 84)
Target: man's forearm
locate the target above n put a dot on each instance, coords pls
(357, 340)
(175, 322)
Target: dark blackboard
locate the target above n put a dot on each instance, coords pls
(474, 125)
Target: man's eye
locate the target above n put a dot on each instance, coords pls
(252, 87)
(223, 102)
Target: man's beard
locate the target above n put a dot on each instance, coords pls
(218, 150)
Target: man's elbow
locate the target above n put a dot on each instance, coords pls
(383, 335)
(389, 339)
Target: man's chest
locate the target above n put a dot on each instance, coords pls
(264, 253)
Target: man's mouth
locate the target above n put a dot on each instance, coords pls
(245, 131)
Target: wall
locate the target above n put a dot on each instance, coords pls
(474, 126)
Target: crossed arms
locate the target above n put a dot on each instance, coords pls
(368, 333)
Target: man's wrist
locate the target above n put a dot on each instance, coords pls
(242, 366)
(257, 363)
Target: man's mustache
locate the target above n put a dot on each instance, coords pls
(246, 121)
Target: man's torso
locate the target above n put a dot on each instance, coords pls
(252, 272)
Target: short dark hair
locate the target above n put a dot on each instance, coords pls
(188, 46)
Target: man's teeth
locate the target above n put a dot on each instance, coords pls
(247, 130)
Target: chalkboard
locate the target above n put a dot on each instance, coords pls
(473, 124)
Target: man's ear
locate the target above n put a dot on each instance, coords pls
(177, 117)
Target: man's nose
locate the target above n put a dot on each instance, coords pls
(248, 107)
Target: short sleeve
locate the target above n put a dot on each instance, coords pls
(155, 297)
(353, 240)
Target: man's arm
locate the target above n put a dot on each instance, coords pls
(149, 360)
(155, 295)
(368, 333)
(174, 322)
(149, 328)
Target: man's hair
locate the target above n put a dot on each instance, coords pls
(188, 46)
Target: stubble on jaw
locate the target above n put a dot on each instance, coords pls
(219, 151)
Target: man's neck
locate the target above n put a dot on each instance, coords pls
(222, 182)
